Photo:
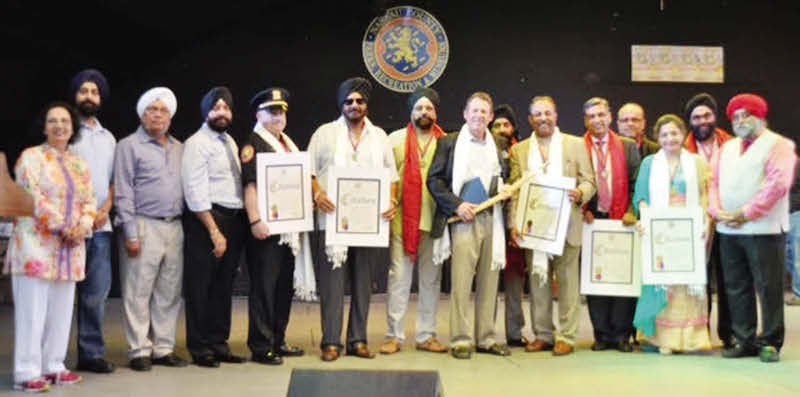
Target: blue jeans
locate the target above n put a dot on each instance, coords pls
(92, 294)
(793, 251)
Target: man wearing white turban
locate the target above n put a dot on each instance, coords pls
(149, 201)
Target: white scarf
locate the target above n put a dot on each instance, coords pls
(305, 285)
(337, 254)
(441, 246)
(659, 190)
(554, 167)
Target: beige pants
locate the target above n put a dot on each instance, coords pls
(565, 267)
(151, 288)
(472, 255)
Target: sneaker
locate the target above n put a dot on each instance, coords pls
(63, 378)
(37, 385)
(793, 300)
(769, 354)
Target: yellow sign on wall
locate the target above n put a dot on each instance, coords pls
(677, 64)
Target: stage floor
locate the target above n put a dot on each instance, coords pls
(584, 373)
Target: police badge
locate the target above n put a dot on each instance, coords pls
(405, 48)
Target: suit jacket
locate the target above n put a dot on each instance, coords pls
(648, 147)
(632, 161)
(440, 181)
(576, 165)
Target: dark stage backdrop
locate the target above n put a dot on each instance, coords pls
(514, 50)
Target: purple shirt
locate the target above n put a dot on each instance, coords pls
(147, 180)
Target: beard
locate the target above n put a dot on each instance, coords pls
(355, 117)
(219, 124)
(746, 129)
(88, 108)
(703, 131)
(423, 122)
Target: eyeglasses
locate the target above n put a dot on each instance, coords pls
(359, 101)
(153, 109)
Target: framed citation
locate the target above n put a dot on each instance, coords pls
(673, 249)
(360, 195)
(610, 259)
(543, 212)
(284, 191)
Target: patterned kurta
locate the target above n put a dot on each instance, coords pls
(63, 198)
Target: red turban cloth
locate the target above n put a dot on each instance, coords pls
(754, 104)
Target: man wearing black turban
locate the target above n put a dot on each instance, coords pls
(214, 230)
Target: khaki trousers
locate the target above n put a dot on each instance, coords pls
(565, 267)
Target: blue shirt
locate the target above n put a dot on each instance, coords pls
(147, 180)
(96, 147)
(211, 171)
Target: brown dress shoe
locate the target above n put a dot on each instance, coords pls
(360, 350)
(432, 345)
(562, 349)
(391, 346)
(538, 346)
(330, 353)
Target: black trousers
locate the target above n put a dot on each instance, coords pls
(754, 264)
(208, 281)
(331, 286)
(271, 269)
(612, 316)
(714, 267)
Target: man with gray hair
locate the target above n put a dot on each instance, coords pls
(149, 201)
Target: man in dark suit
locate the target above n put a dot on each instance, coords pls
(615, 160)
(631, 123)
(470, 160)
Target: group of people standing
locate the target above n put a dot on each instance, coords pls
(196, 203)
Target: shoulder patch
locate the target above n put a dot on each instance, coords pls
(247, 153)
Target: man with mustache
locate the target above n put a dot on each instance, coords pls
(750, 201)
(706, 139)
(615, 160)
(149, 198)
(350, 141)
(411, 244)
(631, 123)
(214, 230)
(95, 146)
(551, 152)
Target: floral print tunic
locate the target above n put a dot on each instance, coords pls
(63, 198)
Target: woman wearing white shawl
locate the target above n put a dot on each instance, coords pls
(672, 318)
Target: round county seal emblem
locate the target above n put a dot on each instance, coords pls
(405, 48)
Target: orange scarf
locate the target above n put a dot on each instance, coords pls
(412, 190)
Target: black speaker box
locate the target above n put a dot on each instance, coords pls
(364, 383)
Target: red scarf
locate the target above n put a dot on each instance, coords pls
(412, 190)
(619, 174)
(720, 135)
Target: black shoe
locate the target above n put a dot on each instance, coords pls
(141, 364)
(624, 346)
(599, 346)
(739, 350)
(97, 365)
(290, 351)
(269, 357)
(170, 360)
(230, 358)
(206, 360)
(517, 342)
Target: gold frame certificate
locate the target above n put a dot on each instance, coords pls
(283, 183)
(673, 248)
(610, 259)
(543, 212)
(360, 195)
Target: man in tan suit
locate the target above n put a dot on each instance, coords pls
(548, 142)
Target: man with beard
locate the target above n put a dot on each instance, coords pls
(149, 201)
(350, 141)
(749, 199)
(615, 160)
(410, 242)
(214, 230)
(706, 139)
(271, 259)
(551, 152)
(95, 146)
(471, 161)
(631, 123)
